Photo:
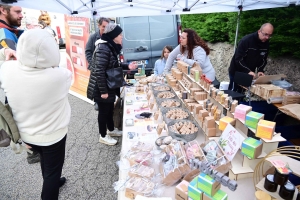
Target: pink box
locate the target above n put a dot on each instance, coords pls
(241, 112)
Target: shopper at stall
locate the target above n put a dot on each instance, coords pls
(10, 19)
(251, 54)
(161, 62)
(37, 90)
(190, 50)
(106, 57)
(90, 45)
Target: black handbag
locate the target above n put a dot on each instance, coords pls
(115, 78)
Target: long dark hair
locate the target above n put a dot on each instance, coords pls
(193, 40)
(170, 49)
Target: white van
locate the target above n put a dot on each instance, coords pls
(145, 37)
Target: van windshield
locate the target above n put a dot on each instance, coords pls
(148, 28)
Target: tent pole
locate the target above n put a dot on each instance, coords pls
(95, 23)
(237, 30)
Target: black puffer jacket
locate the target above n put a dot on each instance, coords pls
(105, 58)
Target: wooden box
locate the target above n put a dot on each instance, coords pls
(268, 91)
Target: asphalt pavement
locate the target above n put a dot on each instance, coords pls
(90, 167)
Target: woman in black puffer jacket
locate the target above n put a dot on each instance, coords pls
(106, 57)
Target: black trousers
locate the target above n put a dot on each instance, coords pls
(52, 161)
(105, 117)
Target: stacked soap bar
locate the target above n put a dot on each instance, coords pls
(265, 129)
(224, 121)
(252, 119)
(241, 111)
(251, 147)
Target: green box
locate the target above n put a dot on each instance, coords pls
(193, 192)
(220, 195)
(251, 147)
(207, 184)
(252, 119)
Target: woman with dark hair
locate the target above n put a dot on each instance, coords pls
(106, 57)
(161, 62)
(190, 50)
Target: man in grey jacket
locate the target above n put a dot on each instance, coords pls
(90, 45)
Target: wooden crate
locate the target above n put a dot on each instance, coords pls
(291, 98)
(268, 90)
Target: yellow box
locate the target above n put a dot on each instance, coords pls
(224, 121)
(265, 129)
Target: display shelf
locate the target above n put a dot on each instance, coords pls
(276, 138)
(186, 89)
(253, 162)
(293, 164)
(238, 171)
(274, 195)
(202, 87)
(242, 167)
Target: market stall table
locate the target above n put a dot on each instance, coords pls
(138, 99)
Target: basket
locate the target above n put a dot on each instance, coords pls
(177, 138)
(160, 101)
(165, 110)
(187, 137)
(156, 91)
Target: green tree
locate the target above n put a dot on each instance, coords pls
(211, 27)
(221, 27)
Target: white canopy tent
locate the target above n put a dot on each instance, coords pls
(122, 8)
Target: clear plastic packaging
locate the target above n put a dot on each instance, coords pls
(142, 171)
(282, 83)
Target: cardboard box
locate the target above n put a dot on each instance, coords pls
(193, 90)
(251, 147)
(209, 122)
(193, 192)
(211, 132)
(197, 108)
(207, 184)
(265, 129)
(252, 119)
(203, 113)
(220, 195)
(241, 111)
(181, 190)
(224, 121)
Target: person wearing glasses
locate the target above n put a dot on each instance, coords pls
(251, 54)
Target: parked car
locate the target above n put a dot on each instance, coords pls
(144, 38)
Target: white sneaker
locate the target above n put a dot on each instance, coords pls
(107, 140)
(116, 133)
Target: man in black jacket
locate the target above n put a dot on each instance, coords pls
(251, 54)
(90, 45)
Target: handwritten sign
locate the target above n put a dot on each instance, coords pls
(230, 141)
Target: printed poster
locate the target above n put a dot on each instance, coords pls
(230, 141)
(77, 35)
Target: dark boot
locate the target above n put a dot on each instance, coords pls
(33, 158)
